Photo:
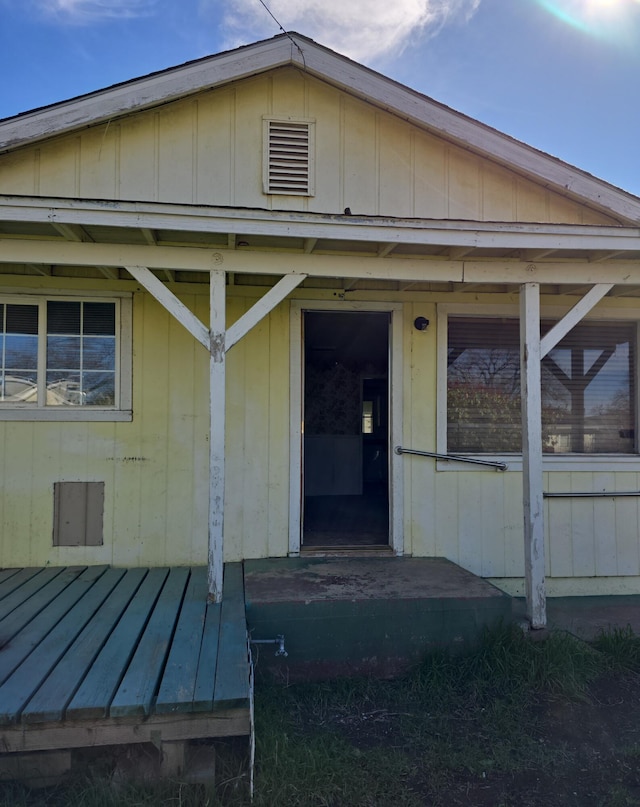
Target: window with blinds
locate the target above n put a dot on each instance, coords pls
(588, 388)
(288, 157)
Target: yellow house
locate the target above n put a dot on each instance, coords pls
(271, 302)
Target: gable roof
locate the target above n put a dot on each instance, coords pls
(362, 82)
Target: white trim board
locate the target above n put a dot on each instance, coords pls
(396, 473)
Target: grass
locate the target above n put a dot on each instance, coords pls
(411, 741)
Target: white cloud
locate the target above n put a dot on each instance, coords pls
(362, 29)
(88, 11)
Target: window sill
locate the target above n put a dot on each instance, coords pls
(603, 463)
(65, 414)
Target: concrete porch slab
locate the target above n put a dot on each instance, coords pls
(364, 615)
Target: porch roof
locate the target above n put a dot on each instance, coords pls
(58, 237)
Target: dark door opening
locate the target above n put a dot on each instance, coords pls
(346, 429)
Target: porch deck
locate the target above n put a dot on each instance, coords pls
(368, 615)
(95, 656)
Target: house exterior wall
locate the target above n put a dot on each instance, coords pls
(208, 150)
(155, 467)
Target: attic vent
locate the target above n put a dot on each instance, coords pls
(288, 160)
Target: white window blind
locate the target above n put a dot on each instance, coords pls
(588, 388)
(288, 159)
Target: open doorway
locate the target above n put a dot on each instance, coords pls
(346, 429)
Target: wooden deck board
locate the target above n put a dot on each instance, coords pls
(19, 576)
(27, 626)
(51, 699)
(94, 696)
(109, 656)
(24, 590)
(90, 591)
(206, 679)
(179, 679)
(232, 671)
(139, 685)
(6, 574)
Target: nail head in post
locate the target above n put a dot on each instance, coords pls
(421, 323)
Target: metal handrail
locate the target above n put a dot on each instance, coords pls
(595, 494)
(499, 466)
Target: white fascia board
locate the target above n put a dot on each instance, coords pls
(143, 93)
(189, 218)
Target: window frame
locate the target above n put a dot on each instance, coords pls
(122, 409)
(557, 462)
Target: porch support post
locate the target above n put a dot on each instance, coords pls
(217, 411)
(531, 402)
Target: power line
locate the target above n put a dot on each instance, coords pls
(286, 33)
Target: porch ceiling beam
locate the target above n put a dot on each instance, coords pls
(72, 232)
(195, 259)
(149, 236)
(559, 273)
(173, 305)
(535, 254)
(45, 271)
(573, 317)
(459, 252)
(109, 272)
(259, 310)
(310, 245)
(386, 249)
(605, 255)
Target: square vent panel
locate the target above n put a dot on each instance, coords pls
(288, 158)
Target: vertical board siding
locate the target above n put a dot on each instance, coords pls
(208, 150)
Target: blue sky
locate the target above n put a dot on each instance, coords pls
(561, 75)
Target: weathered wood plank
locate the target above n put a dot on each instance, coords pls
(14, 581)
(90, 590)
(26, 626)
(136, 691)
(180, 673)
(232, 672)
(206, 678)
(31, 586)
(5, 574)
(94, 696)
(106, 731)
(51, 699)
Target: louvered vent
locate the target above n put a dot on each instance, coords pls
(289, 157)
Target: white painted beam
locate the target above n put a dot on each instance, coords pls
(544, 238)
(531, 402)
(109, 272)
(195, 259)
(217, 418)
(573, 317)
(173, 305)
(386, 249)
(264, 306)
(310, 244)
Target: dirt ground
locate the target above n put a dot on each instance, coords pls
(591, 753)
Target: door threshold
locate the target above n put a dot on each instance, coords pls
(347, 551)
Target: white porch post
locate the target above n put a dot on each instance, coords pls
(531, 396)
(217, 411)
